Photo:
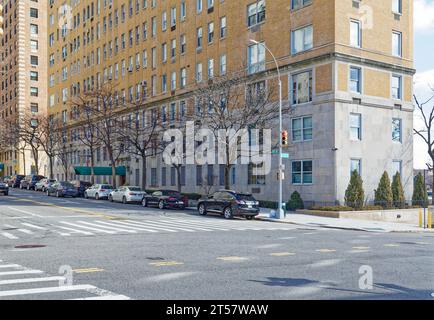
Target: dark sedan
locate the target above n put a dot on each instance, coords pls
(81, 186)
(62, 189)
(16, 180)
(164, 199)
(4, 188)
(230, 203)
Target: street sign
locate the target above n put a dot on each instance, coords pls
(285, 155)
(275, 151)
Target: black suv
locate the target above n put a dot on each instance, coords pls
(230, 203)
(30, 181)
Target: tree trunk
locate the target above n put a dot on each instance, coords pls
(51, 167)
(227, 176)
(92, 166)
(36, 158)
(144, 175)
(24, 161)
(432, 187)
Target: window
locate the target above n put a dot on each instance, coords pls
(302, 172)
(356, 165)
(198, 6)
(297, 4)
(355, 34)
(199, 72)
(33, 75)
(397, 130)
(199, 178)
(397, 44)
(256, 13)
(210, 32)
(302, 39)
(355, 126)
(223, 65)
(302, 87)
(183, 77)
(302, 129)
(396, 87)
(183, 44)
(253, 176)
(34, 92)
(397, 6)
(210, 68)
(256, 58)
(33, 29)
(34, 45)
(222, 27)
(355, 80)
(199, 37)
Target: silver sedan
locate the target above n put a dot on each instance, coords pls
(127, 194)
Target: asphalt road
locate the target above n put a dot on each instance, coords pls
(54, 248)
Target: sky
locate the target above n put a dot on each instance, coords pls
(424, 64)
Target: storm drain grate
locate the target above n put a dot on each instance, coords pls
(30, 246)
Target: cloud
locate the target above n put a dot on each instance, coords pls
(424, 15)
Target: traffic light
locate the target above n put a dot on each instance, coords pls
(284, 138)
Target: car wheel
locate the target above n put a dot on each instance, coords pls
(57, 194)
(28, 188)
(249, 217)
(124, 200)
(96, 196)
(161, 204)
(6, 193)
(202, 209)
(144, 202)
(110, 198)
(86, 196)
(48, 193)
(227, 212)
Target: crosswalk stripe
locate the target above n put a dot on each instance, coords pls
(25, 212)
(110, 228)
(10, 273)
(127, 226)
(10, 266)
(77, 231)
(30, 280)
(147, 225)
(33, 226)
(113, 297)
(195, 225)
(217, 226)
(8, 235)
(45, 290)
(18, 229)
(176, 226)
(87, 228)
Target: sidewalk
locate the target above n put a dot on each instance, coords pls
(345, 224)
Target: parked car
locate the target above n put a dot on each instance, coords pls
(30, 181)
(81, 186)
(98, 191)
(230, 203)
(16, 180)
(127, 194)
(43, 184)
(62, 189)
(165, 199)
(4, 188)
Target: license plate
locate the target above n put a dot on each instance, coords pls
(249, 206)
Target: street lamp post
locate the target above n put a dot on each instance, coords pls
(280, 208)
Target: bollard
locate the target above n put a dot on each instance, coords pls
(420, 218)
(429, 220)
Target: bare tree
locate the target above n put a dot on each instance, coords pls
(426, 133)
(10, 139)
(30, 133)
(50, 139)
(235, 103)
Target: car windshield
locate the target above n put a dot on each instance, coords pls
(67, 184)
(171, 193)
(52, 180)
(134, 189)
(106, 186)
(245, 197)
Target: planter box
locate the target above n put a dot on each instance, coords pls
(408, 216)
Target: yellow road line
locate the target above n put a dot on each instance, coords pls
(325, 250)
(87, 270)
(166, 263)
(232, 258)
(282, 254)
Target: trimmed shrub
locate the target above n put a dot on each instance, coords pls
(383, 194)
(268, 204)
(420, 196)
(296, 202)
(332, 208)
(398, 192)
(355, 195)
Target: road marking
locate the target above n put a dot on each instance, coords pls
(269, 246)
(391, 245)
(196, 224)
(9, 273)
(282, 254)
(114, 297)
(87, 270)
(10, 266)
(110, 228)
(325, 250)
(30, 280)
(8, 235)
(127, 226)
(87, 228)
(234, 258)
(45, 290)
(166, 263)
(151, 226)
(423, 243)
(77, 231)
(25, 212)
(361, 248)
(177, 226)
(33, 226)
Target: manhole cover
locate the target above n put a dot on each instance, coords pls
(30, 246)
(155, 258)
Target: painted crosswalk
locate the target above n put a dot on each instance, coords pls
(91, 227)
(19, 282)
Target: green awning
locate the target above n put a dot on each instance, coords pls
(2, 166)
(100, 171)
